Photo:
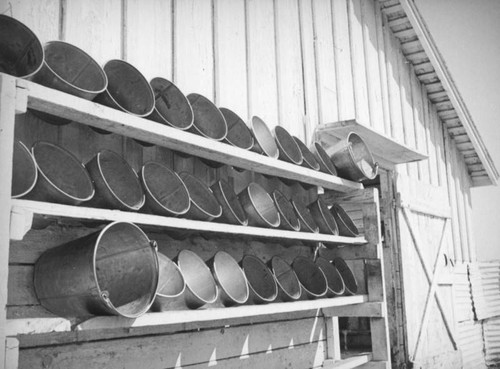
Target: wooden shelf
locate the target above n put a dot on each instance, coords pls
(67, 106)
(384, 149)
(23, 211)
(47, 325)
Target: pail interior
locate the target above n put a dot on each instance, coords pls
(287, 145)
(264, 137)
(286, 210)
(166, 187)
(263, 204)
(260, 278)
(171, 103)
(286, 277)
(129, 88)
(121, 179)
(63, 170)
(333, 277)
(171, 282)
(232, 202)
(231, 277)
(310, 276)
(207, 117)
(197, 276)
(238, 133)
(201, 195)
(75, 66)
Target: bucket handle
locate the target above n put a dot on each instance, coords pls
(153, 244)
(105, 297)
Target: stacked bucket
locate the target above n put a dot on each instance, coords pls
(122, 270)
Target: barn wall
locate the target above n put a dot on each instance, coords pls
(295, 63)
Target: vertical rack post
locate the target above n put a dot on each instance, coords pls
(374, 269)
(7, 120)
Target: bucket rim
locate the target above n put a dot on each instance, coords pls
(256, 118)
(275, 258)
(325, 261)
(34, 36)
(241, 123)
(219, 183)
(93, 61)
(190, 125)
(189, 175)
(215, 109)
(300, 216)
(33, 162)
(141, 76)
(373, 163)
(277, 193)
(311, 263)
(282, 150)
(168, 260)
(101, 293)
(146, 187)
(235, 263)
(143, 197)
(257, 211)
(75, 159)
(204, 266)
(267, 270)
(303, 147)
(322, 206)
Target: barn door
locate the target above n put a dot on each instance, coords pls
(424, 244)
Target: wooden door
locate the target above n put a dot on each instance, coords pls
(424, 241)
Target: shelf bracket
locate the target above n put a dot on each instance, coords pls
(21, 221)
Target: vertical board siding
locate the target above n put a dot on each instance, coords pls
(381, 30)
(372, 68)
(193, 47)
(148, 37)
(358, 62)
(325, 61)
(231, 56)
(42, 16)
(343, 65)
(96, 27)
(309, 70)
(289, 64)
(262, 83)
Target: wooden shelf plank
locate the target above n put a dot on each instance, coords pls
(225, 315)
(348, 363)
(191, 316)
(384, 149)
(90, 113)
(94, 214)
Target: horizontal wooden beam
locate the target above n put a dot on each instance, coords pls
(189, 316)
(179, 224)
(368, 310)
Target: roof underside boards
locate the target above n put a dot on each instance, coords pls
(420, 50)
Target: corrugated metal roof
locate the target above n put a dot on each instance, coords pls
(470, 343)
(492, 341)
(420, 50)
(485, 283)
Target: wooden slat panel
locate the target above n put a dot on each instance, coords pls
(382, 56)
(343, 65)
(289, 65)
(372, 67)
(309, 69)
(325, 61)
(262, 79)
(358, 62)
(392, 63)
(193, 63)
(231, 56)
(208, 347)
(95, 26)
(42, 17)
(420, 126)
(432, 140)
(148, 37)
(457, 162)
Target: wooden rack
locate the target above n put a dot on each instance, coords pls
(16, 217)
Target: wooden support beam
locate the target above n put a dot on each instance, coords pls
(368, 310)
(7, 121)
